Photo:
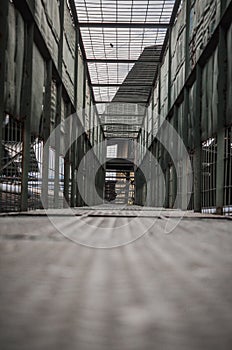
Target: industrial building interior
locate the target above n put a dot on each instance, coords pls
(116, 174)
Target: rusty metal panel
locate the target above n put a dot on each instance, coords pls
(37, 90)
(178, 54)
(68, 63)
(209, 97)
(80, 85)
(204, 18)
(48, 20)
(14, 62)
(164, 85)
(191, 116)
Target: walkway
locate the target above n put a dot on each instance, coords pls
(164, 291)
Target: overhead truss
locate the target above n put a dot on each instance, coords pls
(123, 44)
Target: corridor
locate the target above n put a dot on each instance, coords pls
(115, 175)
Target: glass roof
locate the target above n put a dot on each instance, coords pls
(115, 34)
(124, 10)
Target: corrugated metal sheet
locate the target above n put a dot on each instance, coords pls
(191, 116)
(209, 97)
(37, 90)
(68, 52)
(205, 16)
(178, 53)
(164, 85)
(14, 62)
(48, 20)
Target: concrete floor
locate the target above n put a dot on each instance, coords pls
(158, 291)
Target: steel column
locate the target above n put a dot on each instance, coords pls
(4, 8)
(46, 133)
(221, 113)
(175, 127)
(26, 109)
(67, 157)
(197, 160)
(58, 110)
(57, 147)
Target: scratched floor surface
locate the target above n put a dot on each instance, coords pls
(112, 280)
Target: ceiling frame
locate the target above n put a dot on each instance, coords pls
(88, 24)
(102, 60)
(159, 25)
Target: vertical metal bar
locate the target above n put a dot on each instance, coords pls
(74, 148)
(46, 133)
(184, 184)
(159, 96)
(58, 109)
(74, 163)
(84, 127)
(26, 109)
(198, 147)
(78, 159)
(84, 94)
(4, 8)
(67, 157)
(76, 71)
(60, 51)
(221, 112)
(167, 183)
(187, 33)
(57, 147)
(175, 126)
(185, 141)
(169, 67)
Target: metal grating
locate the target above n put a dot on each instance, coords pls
(209, 161)
(228, 171)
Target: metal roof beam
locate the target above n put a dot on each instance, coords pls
(120, 137)
(123, 25)
(122, 124)
(101, 60)
(128, 101)
(120, 115)
(122, 84)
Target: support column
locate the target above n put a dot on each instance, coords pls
(74, 149)
(167, 183)
(184, 200)
(187, 32)
(197, 160)
(84, 95)
(26, 109)
(4, 8)
(175, 126)
(76, 67)
(46, 133)
(74, 163)
(78, 159)
(57, 146)
(58, 110)
(221, 112)
(169, 68)
(67, 157)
